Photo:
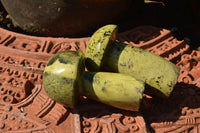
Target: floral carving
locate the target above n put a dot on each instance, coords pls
(102, 119)
(190, 68)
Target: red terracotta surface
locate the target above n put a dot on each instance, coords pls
(25, 107)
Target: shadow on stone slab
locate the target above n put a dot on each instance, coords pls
(182, 108)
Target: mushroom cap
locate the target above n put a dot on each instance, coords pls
(61, 77)
(98, 45)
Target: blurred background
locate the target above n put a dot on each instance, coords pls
(182, 17)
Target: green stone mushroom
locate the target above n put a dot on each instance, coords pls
(65, 80)
(104, 53)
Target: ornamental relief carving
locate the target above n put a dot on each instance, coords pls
(25, 107)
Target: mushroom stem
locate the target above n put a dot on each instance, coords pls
(115, 89)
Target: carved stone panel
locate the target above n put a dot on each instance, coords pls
(25, 107)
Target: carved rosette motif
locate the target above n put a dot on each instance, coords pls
(25, 107)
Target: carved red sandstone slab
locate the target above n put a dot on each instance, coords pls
(25, 107)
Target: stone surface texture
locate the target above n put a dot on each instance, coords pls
(25, 107)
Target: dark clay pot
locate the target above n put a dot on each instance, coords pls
(72, 18)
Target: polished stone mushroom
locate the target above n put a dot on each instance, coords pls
(104, 53)
(64, 80)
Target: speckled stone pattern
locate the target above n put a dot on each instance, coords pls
(61, 77)
(25, 107)
(98, 44)
(114, 89)
(159, 74)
